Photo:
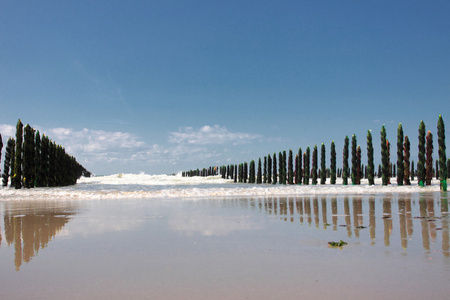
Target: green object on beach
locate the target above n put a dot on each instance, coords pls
(444, 185)
(421, 183)
(337, 244)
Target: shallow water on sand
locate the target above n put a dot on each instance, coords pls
(227, 248)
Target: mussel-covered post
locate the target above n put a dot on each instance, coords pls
(299, 167)
(269, 169)
(370, 163)
(323, 168)
(275, 175)
(17, 177)
(9, 156)
(384, 157)
(406, 163)
(400, 156)
(421, 161)
(429, 161)
(290, 168)
(354, 161)
(314, 166)
(307, 168)
(333, 163)
(345, 162)
(442, 155)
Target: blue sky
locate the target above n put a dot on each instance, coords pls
(165, 86)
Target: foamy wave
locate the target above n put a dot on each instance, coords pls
(142, 186)
(145, 179)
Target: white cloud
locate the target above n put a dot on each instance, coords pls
(210, 135)
(7, 130)
(94, 141)
(111, 151)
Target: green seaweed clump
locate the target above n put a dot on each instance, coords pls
(337, 244)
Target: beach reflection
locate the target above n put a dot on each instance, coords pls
(404, 223)
(390, 220)
(30, 226)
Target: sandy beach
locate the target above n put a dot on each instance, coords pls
(227, 248)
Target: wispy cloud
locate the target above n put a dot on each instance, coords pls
(210, 135)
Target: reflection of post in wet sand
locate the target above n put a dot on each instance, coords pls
(275, 206)
(372, 220)
(334, 212)
(269, 206)
(424, 223)
(300, 209)
(409, 217)
(316, 211)
(431, 219)
(402, 219)
(387, 220)
(357, 214)
(445, 229)
(324, 213)
(291, 208)
(348, 221)
(283, 208)
(30, 229)
(308, 210)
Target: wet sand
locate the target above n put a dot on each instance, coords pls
(227, 248)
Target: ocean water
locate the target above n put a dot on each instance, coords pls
(143, 186)
(138, 236)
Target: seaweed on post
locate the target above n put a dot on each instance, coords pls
(429, 161)
(400, 157)
(245, 172)
(443, 162)
(265, 170)
(406, 163)
(275, 175)
(323, 168)
(358, 165)
(269, 169)
(354, 162)
(280, 167)
(436, 173)
(299, 166)
(384, 157)
(9, 156)
(314, 166)
(421, 162)
(28, 157)
(370, 164)
(290, 168)
(345, 162)
(307, 167)
(284, 168)
(448, 167)
(259, 175)
(17, 177)
(333, 163)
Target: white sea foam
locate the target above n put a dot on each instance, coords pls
(143, 186)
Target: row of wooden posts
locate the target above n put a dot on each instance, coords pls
(290, 170)
(34, 162)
